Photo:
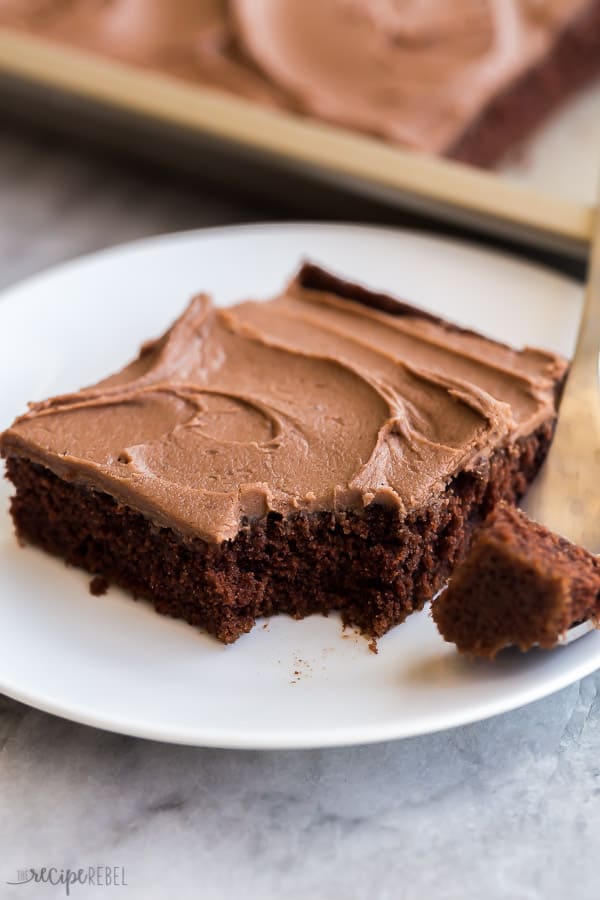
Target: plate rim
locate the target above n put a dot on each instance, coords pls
(230, 739)
(462, 243)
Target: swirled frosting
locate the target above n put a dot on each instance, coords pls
(414, 71)
(323, 398)
(417, 72)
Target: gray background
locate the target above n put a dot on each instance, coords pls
(508, 808)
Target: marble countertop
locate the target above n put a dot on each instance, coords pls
(508, 808)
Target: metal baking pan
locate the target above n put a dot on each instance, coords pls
(193, 126)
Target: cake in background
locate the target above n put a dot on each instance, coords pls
(467, 79)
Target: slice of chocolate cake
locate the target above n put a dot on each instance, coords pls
(520, 585)
(329, 449)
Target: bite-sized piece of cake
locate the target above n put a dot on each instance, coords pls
(329, 449)
(520, 585)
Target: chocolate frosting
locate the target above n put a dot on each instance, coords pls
(192, 39)
(416, 72)
(316, 400)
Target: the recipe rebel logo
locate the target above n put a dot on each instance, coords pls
(93, 876)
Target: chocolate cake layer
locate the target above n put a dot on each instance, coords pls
(345, 423)
(520, 585)
(465, 79)
(376, 567)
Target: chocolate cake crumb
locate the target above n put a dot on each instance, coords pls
(98, 586)
(520, 585)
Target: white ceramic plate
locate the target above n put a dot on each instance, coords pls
(116, 664)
